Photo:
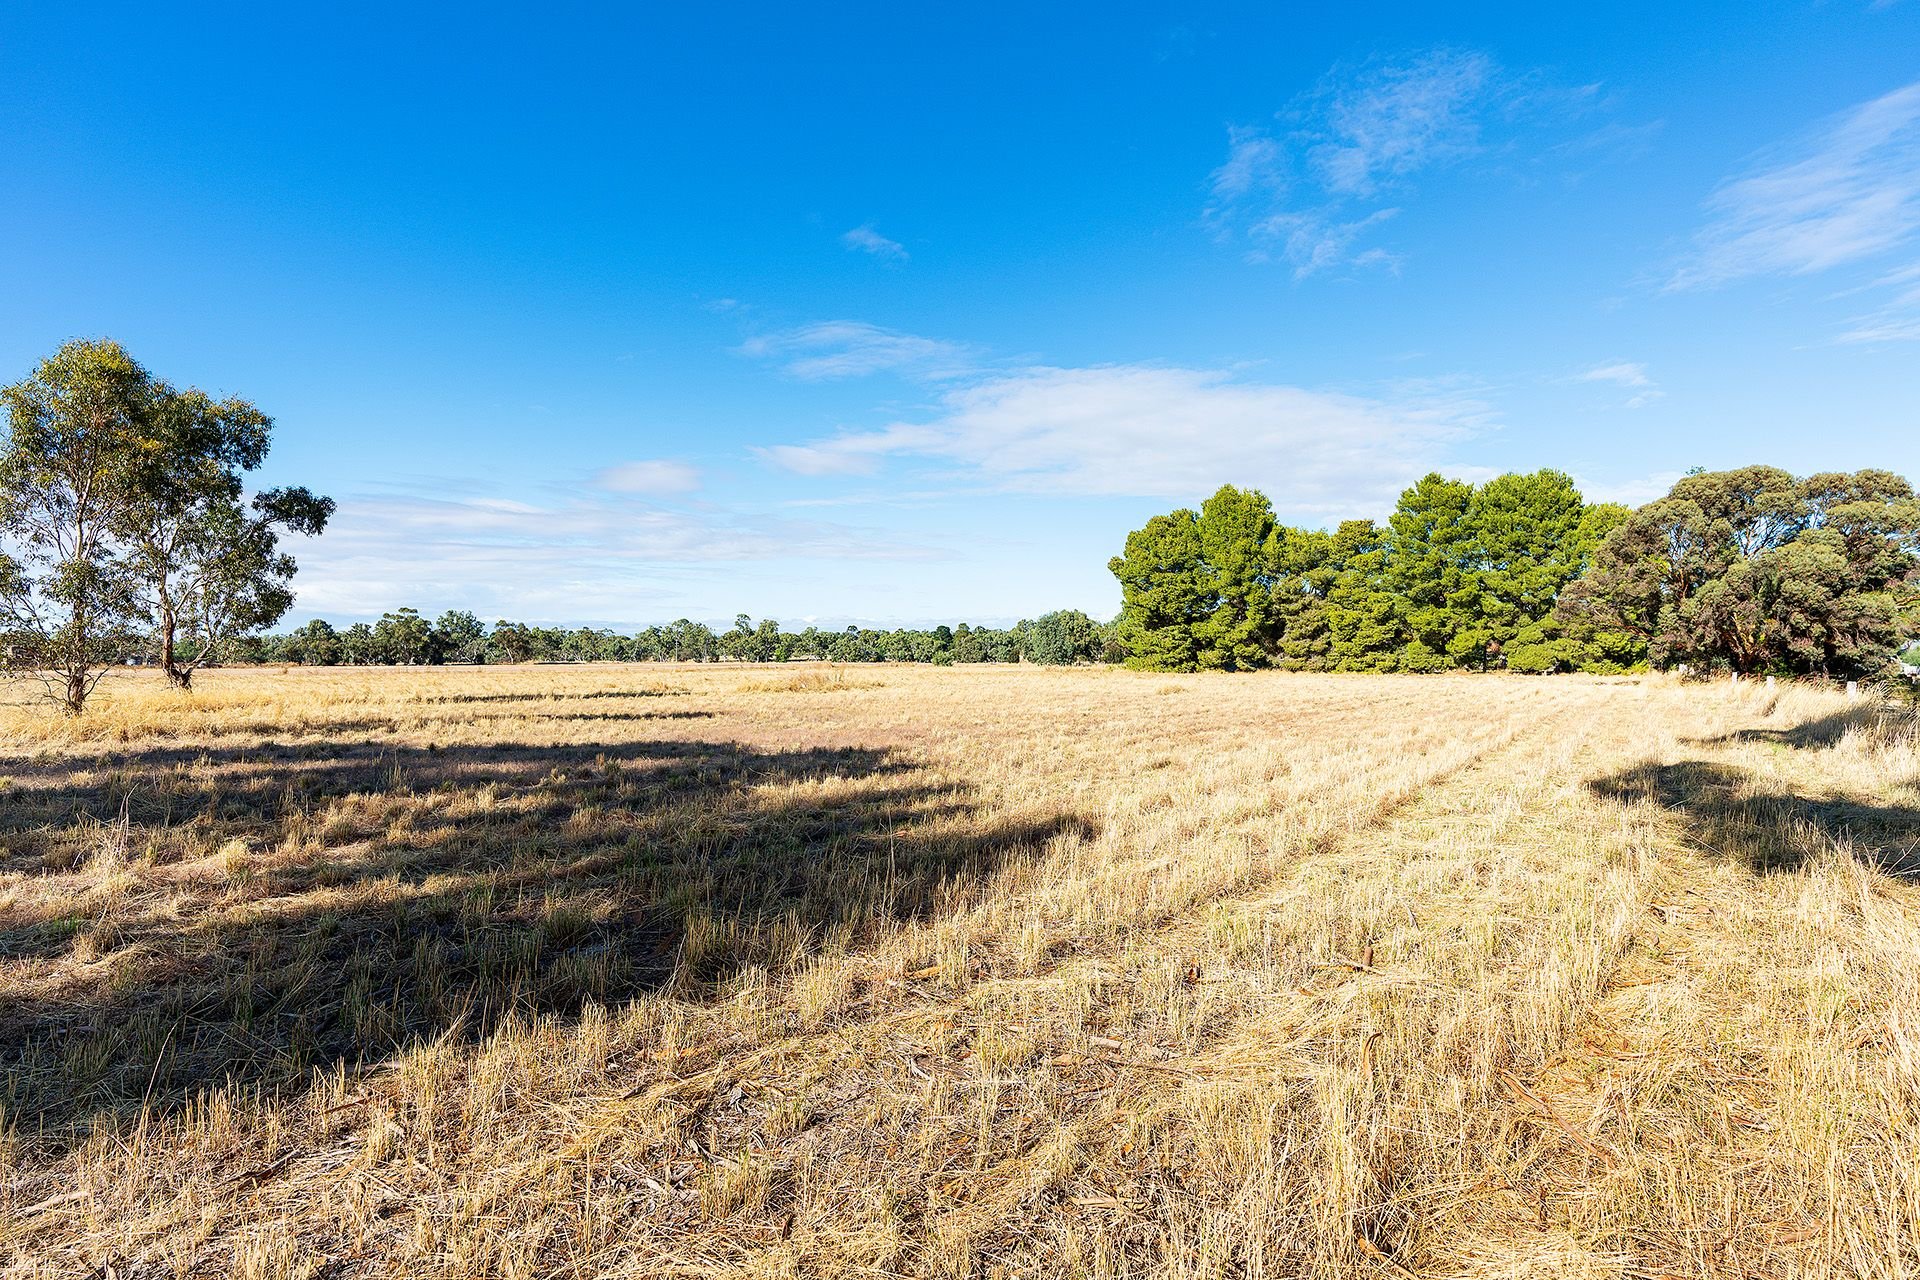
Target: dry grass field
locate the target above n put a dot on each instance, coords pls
(800, 972)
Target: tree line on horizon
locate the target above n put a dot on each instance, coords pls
(1749, 570)
(403, 637)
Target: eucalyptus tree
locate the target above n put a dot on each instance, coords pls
(215, 571)
(69, 473)
(1064, 637)
(357, 646)
(514, 641)
(123, 509)
(403, 638)
(315, 645)
(461, 636)
(1757, 571)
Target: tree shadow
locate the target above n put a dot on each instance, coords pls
(1736, 814)
(1809, 735)
(445, 699)
(252, 915)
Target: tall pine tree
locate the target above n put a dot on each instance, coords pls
(1428, 562)
(1164, 593)
(1236, 535)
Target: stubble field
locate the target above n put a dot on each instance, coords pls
(799, 971)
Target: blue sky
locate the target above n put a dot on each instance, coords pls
(903, 313)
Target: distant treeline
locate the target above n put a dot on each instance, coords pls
(404, 638)
(1749, 570)
(1752, 570)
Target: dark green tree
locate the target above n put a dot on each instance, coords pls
(1307, 564)
(1365, 630)
(1062, 638)
(404, 638)
(460, 636)
(1428, 572)
(1164, 593)
(1239, 627)
(313, 645)
(1552, 642)
(1529, 536)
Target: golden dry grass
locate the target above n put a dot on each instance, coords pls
(634, 971)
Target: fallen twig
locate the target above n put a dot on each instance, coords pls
(1524, 1094)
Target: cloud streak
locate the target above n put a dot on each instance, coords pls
(836, 349)
(1630, 374)
(1397, 120)
(656, 475)
(1847, 192)
(1625, 374)
(1150, 431)
(866, 240)
(1308, 191)
(1898, 318)
(605, 558)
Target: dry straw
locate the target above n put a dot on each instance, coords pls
(697, 972)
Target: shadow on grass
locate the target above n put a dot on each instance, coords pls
(539, 696)
(1736, 814)
(1809, 735)
(248, 916)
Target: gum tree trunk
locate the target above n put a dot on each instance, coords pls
(178, 676)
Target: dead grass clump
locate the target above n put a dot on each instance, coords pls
(810, 680)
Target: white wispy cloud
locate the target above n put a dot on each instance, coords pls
(653, 475)
(851, 349)
(1314, 242)
(1897, 319)
(1344, 156)
(1397, 120)
(1305, 190)
(572, 559)
(1847, 192)
(1142, 430)
(1625, 373)
(1630, 374)
(851, 453)
(867, 240)
(1636, 492)
(1255, 163)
